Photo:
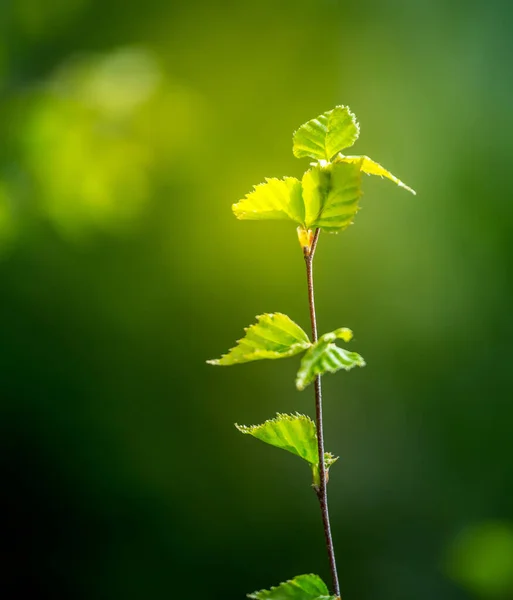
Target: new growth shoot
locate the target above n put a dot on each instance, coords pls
(325, 199)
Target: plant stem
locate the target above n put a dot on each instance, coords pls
(321, 490)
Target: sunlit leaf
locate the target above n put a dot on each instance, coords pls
(371, 167)
(296, 434)
(331, 194)
(274, 199)
(302, 587)
(325, 356)
(328, 195)
(274, 335)
(329, 133)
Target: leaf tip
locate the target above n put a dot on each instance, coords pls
(343, 333)
(237, 210)
(242, 428)
(300, 384)
(408, 188)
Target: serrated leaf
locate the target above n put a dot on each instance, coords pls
(371, 167)
(296, 434)
(302, 587)
(274, 199)
(331, 194)
(274, 335)
(326, 357)
(327, 197)
(328, 134)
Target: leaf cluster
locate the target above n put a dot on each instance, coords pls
(275, 335)
(327, 196)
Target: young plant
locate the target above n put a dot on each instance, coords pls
(325, 199)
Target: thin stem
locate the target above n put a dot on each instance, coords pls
(321, 490)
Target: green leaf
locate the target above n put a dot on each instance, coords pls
(371, 167)
(327, 197)
(274, 335)
(274, 199)
(329, 133)
(325, 356)
(302, 587)
(296, 434)
(331, 194)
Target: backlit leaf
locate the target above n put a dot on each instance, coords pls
(302, 587)
(371, 167)
(329, 133)
(274, 199)
(331, 194)
(325, 356)
(273, 336)
(294, 433)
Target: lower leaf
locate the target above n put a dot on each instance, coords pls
(274, 335)
(302, 587)
(296, 434)
(326, 357)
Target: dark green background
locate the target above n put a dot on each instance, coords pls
(127, 129)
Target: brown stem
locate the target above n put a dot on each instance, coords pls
(321, 490)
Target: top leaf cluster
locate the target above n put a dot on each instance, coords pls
(327, 197)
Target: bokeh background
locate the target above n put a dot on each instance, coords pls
(127, 130)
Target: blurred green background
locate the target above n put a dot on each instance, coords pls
(127, 131)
